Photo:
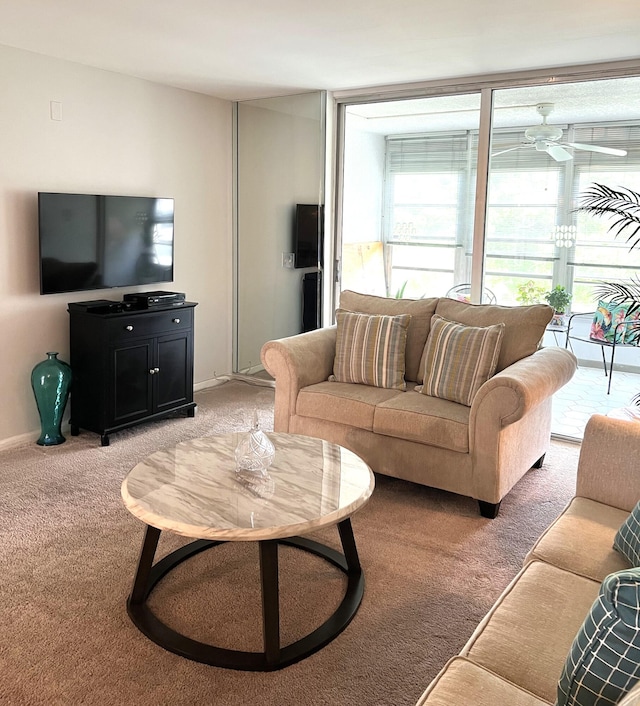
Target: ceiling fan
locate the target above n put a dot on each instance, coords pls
(544, 138)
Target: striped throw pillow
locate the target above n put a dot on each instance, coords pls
(370, 349)
(604, 660)
(459, 359)
(627, 539)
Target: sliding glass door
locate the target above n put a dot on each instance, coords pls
(548, 145)
(411, 186)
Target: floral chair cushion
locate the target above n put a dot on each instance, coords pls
(606, 320)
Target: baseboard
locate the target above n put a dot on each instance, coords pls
(32, 436)
(221, 379)
(212, 382)
(13, 442)
(251, 370)
(253, 380)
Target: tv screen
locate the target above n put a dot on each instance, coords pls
(94, 242)
(308, 235)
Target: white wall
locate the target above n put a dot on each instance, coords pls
(119, 135)
(362, 261)
(364, 160)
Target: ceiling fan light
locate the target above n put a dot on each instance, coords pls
(543, 132)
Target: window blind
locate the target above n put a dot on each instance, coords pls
(428, 153)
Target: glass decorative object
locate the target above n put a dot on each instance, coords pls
(254, 452)
(50, 380)
(564, 236)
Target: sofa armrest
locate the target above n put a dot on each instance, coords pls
(521, 387)
(296, 362)
(608, 466)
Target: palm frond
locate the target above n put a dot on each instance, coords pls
(620, 293)
(622, 205)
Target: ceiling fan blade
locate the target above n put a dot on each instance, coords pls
(597, 148)
(558, 153)
(511, 149)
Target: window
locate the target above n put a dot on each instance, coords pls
(428, 228)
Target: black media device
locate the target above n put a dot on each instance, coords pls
(149, 300)
(97, 306)
(308, 235)
(92, 242)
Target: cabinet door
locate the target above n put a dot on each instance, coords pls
(132, 380)
(174, 380)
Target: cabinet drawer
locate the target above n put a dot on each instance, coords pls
(134, 325)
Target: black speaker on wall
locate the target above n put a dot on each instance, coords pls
(311, 301)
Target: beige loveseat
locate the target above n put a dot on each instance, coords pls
(516, 655)
(479, 451)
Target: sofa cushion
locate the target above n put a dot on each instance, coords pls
(525, 637)
(524, 325)
(459, 359)
(421, 311)
(343, 402)
(604, 660)
(581, 540)
(370, 349)
(463, 683)
(427, 420)
(627, 539)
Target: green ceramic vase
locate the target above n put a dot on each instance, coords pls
(50, 380)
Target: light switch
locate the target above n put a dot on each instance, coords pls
(55, 108)
(288, 260)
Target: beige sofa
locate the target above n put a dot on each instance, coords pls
(479, 451)
(516, 654)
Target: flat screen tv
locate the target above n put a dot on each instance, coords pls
(308, 235)
(95, 242)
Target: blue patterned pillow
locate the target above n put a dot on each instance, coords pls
(604, 660)
(627, 539)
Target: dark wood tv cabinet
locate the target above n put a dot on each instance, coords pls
(129, 366)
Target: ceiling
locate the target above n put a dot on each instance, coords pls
(245, 49)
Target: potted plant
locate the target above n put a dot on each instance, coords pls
(529, 293)
(559, 299)
(623, 207)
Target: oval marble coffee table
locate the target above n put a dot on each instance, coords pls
(193, 490)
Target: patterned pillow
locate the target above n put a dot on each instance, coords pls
(459, 359)
(370, 349)
(627, 539)
(604, 326)
(604, 660)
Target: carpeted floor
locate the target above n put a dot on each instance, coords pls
(433, 567)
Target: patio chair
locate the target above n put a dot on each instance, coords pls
(625, 334)
(463, 292)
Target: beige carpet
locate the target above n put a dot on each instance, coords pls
(69, 550)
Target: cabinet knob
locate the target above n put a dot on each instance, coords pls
(154, 371)
(128, 328)
(176, 321)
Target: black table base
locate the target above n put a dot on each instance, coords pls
(274, 656)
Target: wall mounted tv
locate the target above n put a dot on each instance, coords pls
(94, 242)
(308, 235)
